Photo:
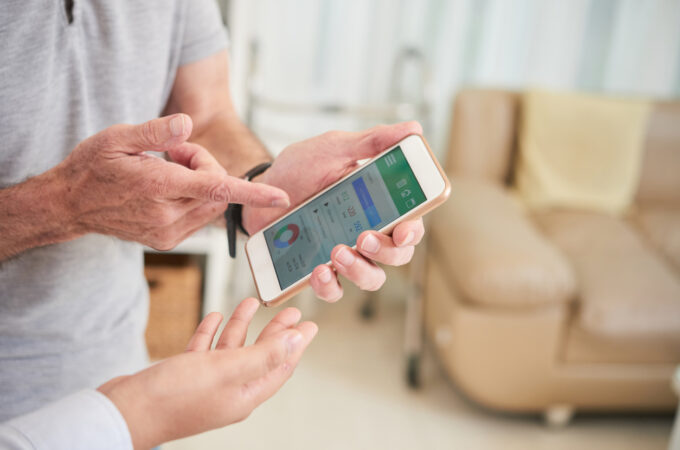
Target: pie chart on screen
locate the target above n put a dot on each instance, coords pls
(286, 235)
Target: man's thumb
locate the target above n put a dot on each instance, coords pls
(160, 134)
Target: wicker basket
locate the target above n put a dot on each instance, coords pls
(175, 298)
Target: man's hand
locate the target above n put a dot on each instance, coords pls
(115, 188)
(305, 168)
(202, 389)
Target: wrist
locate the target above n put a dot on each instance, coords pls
(35, 214)
(59, 205)
(139, 415)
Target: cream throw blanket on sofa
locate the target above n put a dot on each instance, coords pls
(580, 151)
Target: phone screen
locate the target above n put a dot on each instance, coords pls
(368, 200)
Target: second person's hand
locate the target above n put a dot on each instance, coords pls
(307, 167)
(204, 389)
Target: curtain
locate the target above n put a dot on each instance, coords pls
(343, 52)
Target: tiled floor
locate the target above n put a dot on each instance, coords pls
(349, 393)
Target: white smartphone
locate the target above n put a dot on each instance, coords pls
(403, 182)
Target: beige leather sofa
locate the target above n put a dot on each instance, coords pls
(561, 311)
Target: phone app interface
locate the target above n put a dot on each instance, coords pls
(368, 200)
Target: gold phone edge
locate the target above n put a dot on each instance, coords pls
(415, 214)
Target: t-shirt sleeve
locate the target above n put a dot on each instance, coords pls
(84, 420)
(204, 33)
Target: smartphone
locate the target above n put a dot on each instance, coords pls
(403, 182)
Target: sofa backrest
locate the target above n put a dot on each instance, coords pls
(483, 142)
(660, 172)
(483, 134)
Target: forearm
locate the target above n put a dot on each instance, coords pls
(33, 214)
(231, 142)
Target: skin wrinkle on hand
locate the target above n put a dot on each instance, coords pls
(109, 185)
(112, 181)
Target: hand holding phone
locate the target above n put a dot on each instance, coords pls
(315, 164)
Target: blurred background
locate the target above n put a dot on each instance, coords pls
(345, 52)
(543, 309)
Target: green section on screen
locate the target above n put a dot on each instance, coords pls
(400, 181)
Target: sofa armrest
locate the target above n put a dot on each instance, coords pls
(492, 251)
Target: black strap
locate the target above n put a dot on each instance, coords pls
(233, 214)
(68, 7)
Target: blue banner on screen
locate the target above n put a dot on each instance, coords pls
(366, 202)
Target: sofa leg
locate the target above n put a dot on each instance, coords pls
(413, 326)
(369, 306)
(413, 370)
(558, 416)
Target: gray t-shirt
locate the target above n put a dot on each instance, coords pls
(73, 315)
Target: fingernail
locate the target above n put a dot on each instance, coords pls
(409, 238)
(370, 244)
(177, 125)
(293, 341)
(325, 275)
(281, 203)
(345, 257)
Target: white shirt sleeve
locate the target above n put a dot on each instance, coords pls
(84, 420)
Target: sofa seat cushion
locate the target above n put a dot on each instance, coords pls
(661, 226)
(625, 288)
(492, 251)
(584, 347)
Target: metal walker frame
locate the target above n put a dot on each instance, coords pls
(395, 110)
